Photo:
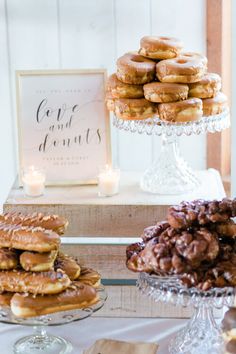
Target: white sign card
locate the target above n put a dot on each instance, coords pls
(63, 124)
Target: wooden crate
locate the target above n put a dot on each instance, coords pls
(101, 228)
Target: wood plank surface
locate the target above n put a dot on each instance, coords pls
(101, 220)
(127, 301)
(108, 260)
(125, 214)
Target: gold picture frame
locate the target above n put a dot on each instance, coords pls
(86, 84)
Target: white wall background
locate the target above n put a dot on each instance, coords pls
(52, 34)
(233, 129)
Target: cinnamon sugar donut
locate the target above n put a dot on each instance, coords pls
(118, 89)
(165, 92)
(180, 70)
(181, 111)
(207, 87)
(160, 47)
(135, 69)
(134, 109)
(214, 105)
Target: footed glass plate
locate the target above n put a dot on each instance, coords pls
(42, 342)
(170, 173)
(202, 335)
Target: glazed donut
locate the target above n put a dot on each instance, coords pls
(165, 92)
(193, 55)
(8, 258)
(36, 283)
(28, 238)
(160, 47)
(51, 222)
(68, 265)
(135, 69)
(37, 262)
(118, 89)
(110, 102)
(214, 105)
(207, 87)
(180, 70)
(76, 296)
(181, 111)
(90, 277)
(5, 299)
(134, 109)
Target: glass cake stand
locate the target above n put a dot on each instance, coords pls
(170, 173)
(41, 342)
(202, 334)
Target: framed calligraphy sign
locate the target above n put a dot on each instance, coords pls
(63, 124)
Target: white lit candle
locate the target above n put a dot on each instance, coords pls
(33, 181)
(108, 182)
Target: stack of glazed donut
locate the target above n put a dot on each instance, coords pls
(35, 277)
(163, 80)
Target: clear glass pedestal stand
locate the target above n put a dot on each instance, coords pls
(201, 335)
(40, 342)
(170, 173)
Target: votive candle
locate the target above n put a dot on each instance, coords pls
(33, 180)
(108, 181)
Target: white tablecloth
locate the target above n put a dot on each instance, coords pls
(84, 333)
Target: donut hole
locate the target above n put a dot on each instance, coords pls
(181, 61)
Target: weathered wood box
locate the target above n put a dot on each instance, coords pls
(101, 228)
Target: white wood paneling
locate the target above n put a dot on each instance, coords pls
(233, 155)
(7, 153)
(33, 40)
(87, 40)
(87, 34)
(81, 34)
(33, 34)
(133, 22)
(186, 20)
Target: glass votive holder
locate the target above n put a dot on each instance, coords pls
(108, 181)
(33, 179)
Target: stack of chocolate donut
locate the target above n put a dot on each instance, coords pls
(197, 242)
(163, 80)
(35, 277)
